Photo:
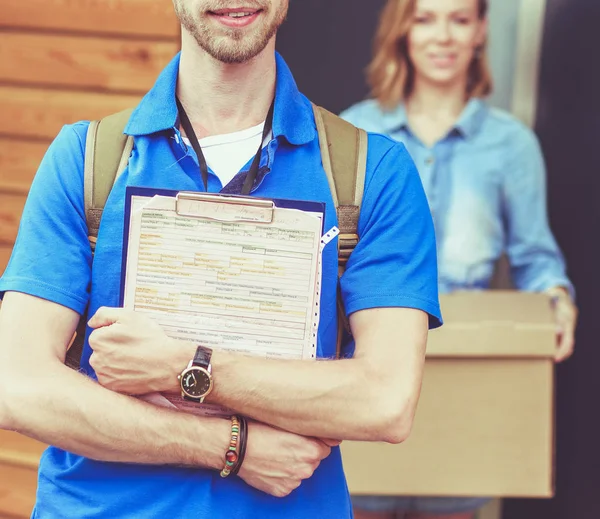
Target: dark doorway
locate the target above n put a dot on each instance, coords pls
(327, 44)
(568, 124)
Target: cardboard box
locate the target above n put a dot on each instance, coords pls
(485, 421)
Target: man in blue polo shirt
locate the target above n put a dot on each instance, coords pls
(114, 456)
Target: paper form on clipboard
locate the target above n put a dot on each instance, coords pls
(234, 273)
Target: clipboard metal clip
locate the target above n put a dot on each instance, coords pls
(224, 208)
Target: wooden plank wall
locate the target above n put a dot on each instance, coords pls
(63, 61)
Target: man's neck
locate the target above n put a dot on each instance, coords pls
(222, 98)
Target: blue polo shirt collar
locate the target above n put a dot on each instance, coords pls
(157, 110)
(292, 118)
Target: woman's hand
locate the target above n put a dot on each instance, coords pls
(565, 316)
(133, 355)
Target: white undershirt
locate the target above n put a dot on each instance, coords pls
(227, 154)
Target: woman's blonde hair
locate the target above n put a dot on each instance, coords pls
(391, 73)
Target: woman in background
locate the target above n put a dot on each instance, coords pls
(482, 170)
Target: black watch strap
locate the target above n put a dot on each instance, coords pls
(202, 357)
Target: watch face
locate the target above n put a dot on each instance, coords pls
(196, 382)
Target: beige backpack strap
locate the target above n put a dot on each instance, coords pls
(344, 157)
(107, 151)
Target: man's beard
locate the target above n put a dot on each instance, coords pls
(230, 45)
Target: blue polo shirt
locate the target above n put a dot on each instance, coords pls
(394, 265)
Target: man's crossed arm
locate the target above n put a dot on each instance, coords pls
(370, 397)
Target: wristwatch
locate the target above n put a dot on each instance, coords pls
(196, 380)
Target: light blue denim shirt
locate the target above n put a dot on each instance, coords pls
(486, 185)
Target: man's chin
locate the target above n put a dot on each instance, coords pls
(232, 51)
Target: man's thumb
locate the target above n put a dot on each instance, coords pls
(105, 316)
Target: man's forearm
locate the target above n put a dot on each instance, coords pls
(370, 397)
(63, 408)
(328, 399)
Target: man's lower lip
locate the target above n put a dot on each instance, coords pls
(240, 21)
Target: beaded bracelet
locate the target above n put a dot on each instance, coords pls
(243, 441)
(231, 456)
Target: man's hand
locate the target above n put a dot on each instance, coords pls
(565, 316)
(133, 355)
(277, 461)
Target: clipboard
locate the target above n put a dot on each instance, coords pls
(221, 271)
(187, 200)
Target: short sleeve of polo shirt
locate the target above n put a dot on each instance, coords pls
(395, 262)
(51, 258)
